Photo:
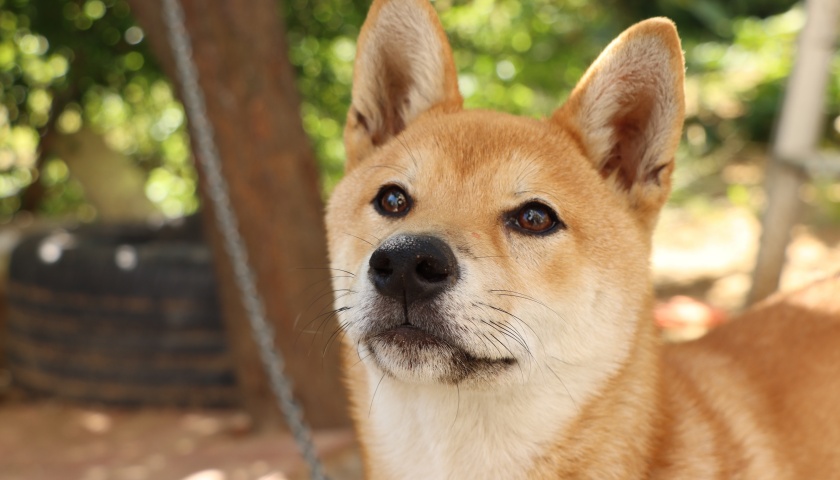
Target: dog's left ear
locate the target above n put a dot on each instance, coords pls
(403, 67)
(628, 111)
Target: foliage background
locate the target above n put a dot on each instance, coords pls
(72, 64)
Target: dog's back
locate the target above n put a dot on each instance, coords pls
(762, 391)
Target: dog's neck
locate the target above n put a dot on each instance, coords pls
(441, 432)
(619, 430)
(538, 426)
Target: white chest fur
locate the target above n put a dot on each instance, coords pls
(430, 431)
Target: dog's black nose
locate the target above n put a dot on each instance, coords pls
(413, 267)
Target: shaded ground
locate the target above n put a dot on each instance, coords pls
(44, 440)
(705, 257)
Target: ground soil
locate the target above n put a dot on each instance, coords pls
(43, 440)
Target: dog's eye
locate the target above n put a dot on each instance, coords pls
(535, 217)
(392, 201)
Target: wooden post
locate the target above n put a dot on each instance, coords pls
(796, 139)
(239, 47)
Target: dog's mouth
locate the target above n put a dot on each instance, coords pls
(413, 353)
(408, 336)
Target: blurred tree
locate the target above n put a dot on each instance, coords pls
(67, 64)
(252, 102)
(707, 19)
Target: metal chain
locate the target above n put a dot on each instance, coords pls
(217, 189)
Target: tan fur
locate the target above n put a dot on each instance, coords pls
(593, 393)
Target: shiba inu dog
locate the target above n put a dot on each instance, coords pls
(493, 285)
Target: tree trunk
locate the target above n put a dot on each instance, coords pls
(239, 47)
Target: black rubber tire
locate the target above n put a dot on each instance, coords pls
(118, 315)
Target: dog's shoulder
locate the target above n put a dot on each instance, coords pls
(768, 372)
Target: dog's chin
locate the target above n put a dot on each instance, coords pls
(411, 354)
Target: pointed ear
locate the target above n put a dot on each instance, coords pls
(628, 112)
(403, 68)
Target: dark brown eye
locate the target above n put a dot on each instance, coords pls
(535, 217)
(392, 201)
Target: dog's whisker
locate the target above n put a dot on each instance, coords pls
(359, 238)
(337, 331)
(504, 345)
(479, 331)
(316, 282)
(511, 293)
(378, 240)
(564, 386)
(323, 312)
(360, 360)
(513, 333)
(510, 333)
(565, 362)
(408, 151)
(501, 310)
(305, 328)
(333, 313)
(373, 397)
(320, 293)
(327, 314)
(325, 268)
(457, 406)
(493, 343)
(523, 322)
(330, 315)
(338, 294)
(341, 329)
(323, 309)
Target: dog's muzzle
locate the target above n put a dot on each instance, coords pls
(413, 267)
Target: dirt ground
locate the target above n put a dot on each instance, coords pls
(49, 441)
(701, 265)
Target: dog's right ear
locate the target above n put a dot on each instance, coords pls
(628, 112)
(403, 68)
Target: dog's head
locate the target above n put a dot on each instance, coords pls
(471, 246)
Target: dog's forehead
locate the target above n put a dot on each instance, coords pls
(495, 150)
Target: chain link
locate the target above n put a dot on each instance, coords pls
(217, 190)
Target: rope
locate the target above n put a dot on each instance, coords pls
(217, 190)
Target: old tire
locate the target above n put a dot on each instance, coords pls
(118, 315)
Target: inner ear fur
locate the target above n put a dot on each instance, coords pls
(628, 112)
(403, 68)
